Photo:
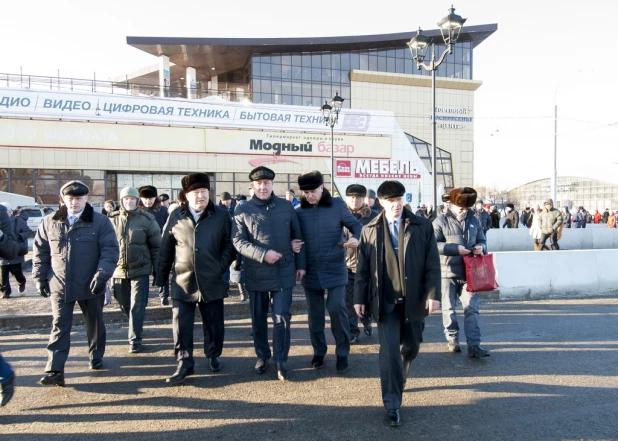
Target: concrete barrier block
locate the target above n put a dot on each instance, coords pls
(602, 239)
(606, 270)
(572, 272)
(587, 233)
(522, 274)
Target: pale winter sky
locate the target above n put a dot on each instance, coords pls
(543, 52)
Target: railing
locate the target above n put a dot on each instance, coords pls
(228, 92)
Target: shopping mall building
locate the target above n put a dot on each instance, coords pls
(224, 106)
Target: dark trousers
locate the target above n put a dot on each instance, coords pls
(281, 315)
(132, 296)
(339, 325)
(553, 240)
(6, 373)
(399, 345)
(183, 319)
(5, 282)
(164, 291)
(60, 338)
(349, 304)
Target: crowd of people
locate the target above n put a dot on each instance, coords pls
(364, 259)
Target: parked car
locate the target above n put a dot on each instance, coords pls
(35, 215)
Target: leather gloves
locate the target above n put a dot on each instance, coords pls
(97, 286)
(43, 288)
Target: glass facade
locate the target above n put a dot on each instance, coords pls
(44, 185)
(571, 191)
(444, 163)
(307, 79)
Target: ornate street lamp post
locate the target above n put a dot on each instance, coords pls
(450, 27)
(330, 115)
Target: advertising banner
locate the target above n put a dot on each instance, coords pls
(208, 112)
(252, 142)
(377, 169)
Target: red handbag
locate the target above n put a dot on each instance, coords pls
(480, 273)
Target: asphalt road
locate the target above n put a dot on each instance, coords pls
(551, 376)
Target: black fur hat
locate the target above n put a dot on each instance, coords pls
(310, 180)
(164, 197)
(74, 188)
(511, 206)
(261, 172)
(391, 189)
(356, 190)
(463, 197)
(148, 191)
(193, 181)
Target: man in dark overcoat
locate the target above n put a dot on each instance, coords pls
(266, 232)
(75, 254)
(197, 245)
(322, 221)
(398, 279)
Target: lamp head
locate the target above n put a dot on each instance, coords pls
(418, 46)
(450, 27)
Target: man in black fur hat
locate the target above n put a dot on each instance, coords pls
(197, 244)
(459, 233)
(322, 219)
(398, 280)
(355, 200)
(75, 254)
(151, 203)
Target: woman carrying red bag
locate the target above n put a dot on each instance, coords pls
(458, 234)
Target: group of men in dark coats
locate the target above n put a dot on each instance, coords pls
(353, 262)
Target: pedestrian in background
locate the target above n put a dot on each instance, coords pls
(611, 220)
(372, 201)
(398, 279)
(290, 195)
(22, 231)
(512, 217)
(566, 217)
(605, 216)
(266, 232)
(535, 228)
(139, 238)
(495, 217)
(165, 201)
(75, 254)
(322, 220)
(197, 246)
(482, 215)
(551, 220)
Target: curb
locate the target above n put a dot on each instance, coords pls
(153, 314)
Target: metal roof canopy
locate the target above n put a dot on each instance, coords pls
(227, 54)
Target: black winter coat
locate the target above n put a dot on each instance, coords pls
(9, 247)
(260, 226)
(421, 263)
(322, 227)
(22, 233)
(158, 211)
(70, 257)
(199, 253)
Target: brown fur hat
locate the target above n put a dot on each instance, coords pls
(463, 197)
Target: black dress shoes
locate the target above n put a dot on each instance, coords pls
(53, 379)
(368, 329)
(392, 418)
(214, 364)
(260, 365)
(179, 376)
(317, 362)
(6, 391)
(135, 348)
(282, 371)
(95, 365)
(342, 365)
(477, 351)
